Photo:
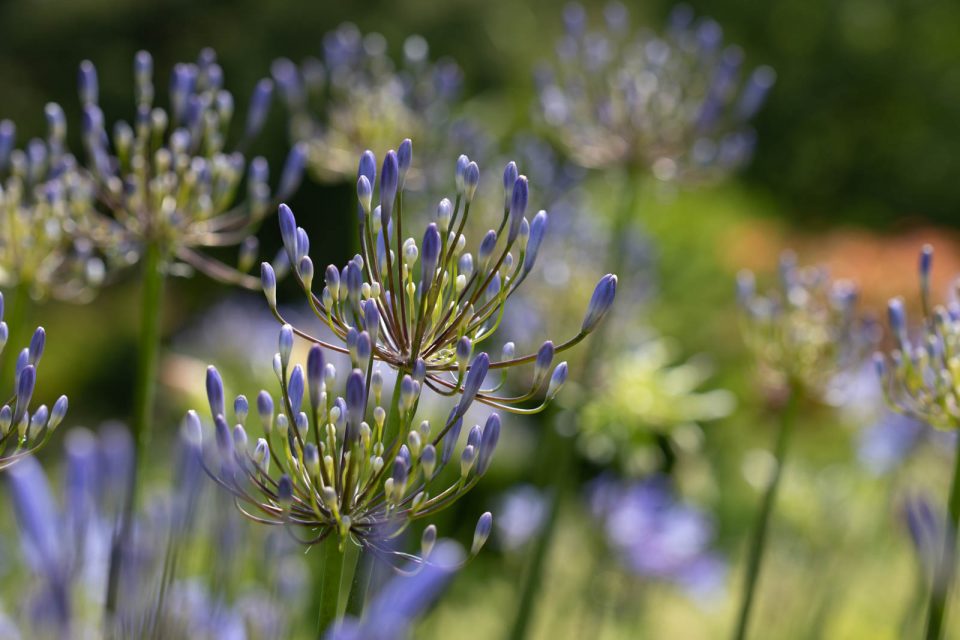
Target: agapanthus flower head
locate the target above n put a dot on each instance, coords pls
(171, 178)
(341, 465)
(806, 330)
(355, 97)
(46, 204)
(920, 376)
(426, 308)
(676, 104)
(24, 430)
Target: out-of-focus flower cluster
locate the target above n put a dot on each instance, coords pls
(920, 379)
(804, 332)
(673, 104)
(340, 465)
(645, 394)
(355, 97)
(170, 179)
(46, 209)
(430, 323)
(23, 432)
(657, 536)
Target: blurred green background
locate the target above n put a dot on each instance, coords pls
(856, 163)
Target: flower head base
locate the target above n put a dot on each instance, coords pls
(46, 204)
(340, 465)
(355, 97)
(805, 332)
(920, 378)
(673, 104)
(169, 178)
(21, 431)
(426, 308)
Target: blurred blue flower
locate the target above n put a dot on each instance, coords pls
(520, 515)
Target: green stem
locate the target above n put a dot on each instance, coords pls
(16, 313)
(333, 558)
(149, 348)
(759, 538)
(560, 466)
(946, 568)
(360, 586)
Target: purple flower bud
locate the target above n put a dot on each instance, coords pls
(268, 280)
(364, 194)
(557, 380)
(37, 343)
(364, 348)
(354, 281)
(285, 491)
(332, 278)
(464, 350)
(482, 532)
(192, 431)
(898, 318)
(259, 107)
(303, 244)
(487, 245)
(429, 256)
(471, 178)
(292, 173)
(367, 167)
(510, 175)
(538, 229)
(215, 392)
(450, 438)
(288, 231)
(600, 302)
(315, 367)
(461, 169)
(399, 473)
(241, 407)
(265, 407)
(444, 214)
(475, 377)
(389, 176)
(356, 397)
(87, 82)
(543, 361)
(285, 343)
(371, 319)
(58, 413)
(419, 370)
(518, 206)
(491, 434)
(306, 272)
(404, 158)
(926, 261)
(755, 92)
(7, 136)
(295, 389)
(224, 439)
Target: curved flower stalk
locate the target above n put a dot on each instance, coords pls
(427, 308)
(802, 336)
(46, 205)
(355, 97)
(647, 401)
(806, 331)
(920, 380)
(170, 187)
(169, 179)
(23, 432)
(673, 104)
(338, 466)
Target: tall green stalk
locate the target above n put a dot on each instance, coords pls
(758, 540)
(946, 569)
(151, 308)
(560, 466)
(329, 586)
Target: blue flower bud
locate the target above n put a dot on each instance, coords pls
(926, 261)
(303, 244)
(898, 318)
(240, 440)
(600, 302)
(332, 278)
(419, 370)
(37, 342)
(464, 351)
(474, 436)
(557, 380)
(7, 136)
(461, 169)
(538, 229)
(261, 455)
(240, 409)
(58, 413)
(510, 175)
(365, 194)
(404, 158)
(315, 372)
(467, 459)
(451, 437)
(354, 281)
(191, 430)
(367, 167)
(389, 176)
(224, 439)
(428, 460)
(408, 391)
(487, 245)
(259, 107)
(288, 231)
(543, 362)
(311, 458)
(286, 344)
(89, 87)
(356, 397)
(482, 532)
(475, 378)
(292, 173)
(295, 389)
(215, 392)
(399, 473)
(265, 410)
(306, 272)
(268, 280)
(444, 214)
(428, 540)
(285, 491)
(364, 348)
(491, 434)
(471, 178)
(371, 319)
(518, 206)
(429, 256)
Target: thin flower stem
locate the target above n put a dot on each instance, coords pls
(333, 558)
(758, 540)
(947, 567)
(149, 348)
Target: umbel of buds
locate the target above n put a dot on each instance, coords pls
(170, 179)
(47, 207)
(428, 307)
(676, 104)
(804, 332)
(920, 376)
(21, 431)
(331, 461)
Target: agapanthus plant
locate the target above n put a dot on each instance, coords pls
(169, 185)
(21, 431)
(427, 308)
(673, 104)
(920, 379)
(801, 335)
(340, 468)
(46, 204)
(355, 97)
